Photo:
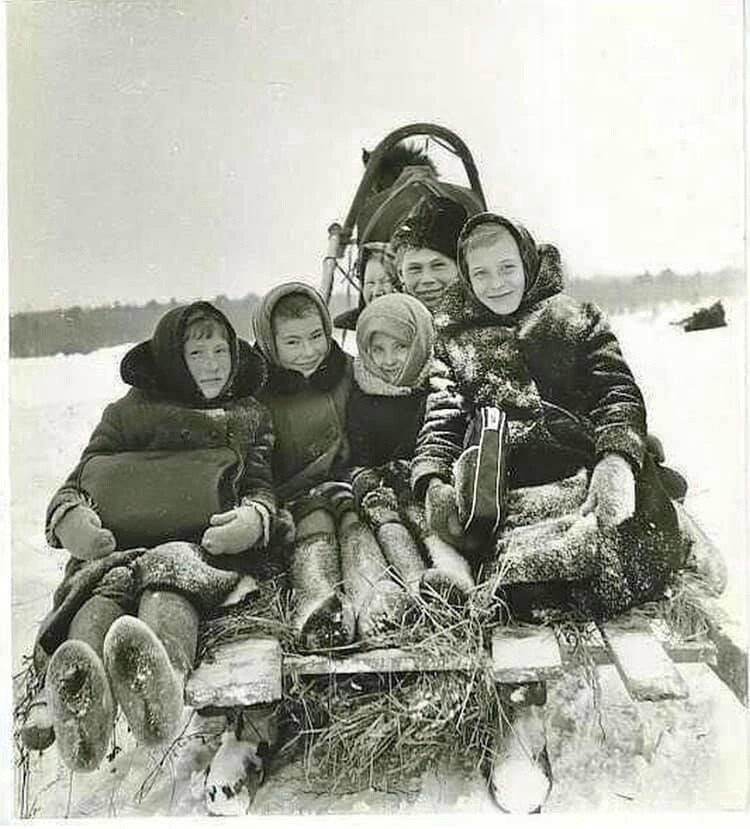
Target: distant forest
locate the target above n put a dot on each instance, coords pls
(81, 330)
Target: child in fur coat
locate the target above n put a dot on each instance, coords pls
(124, 626)
(514, 340)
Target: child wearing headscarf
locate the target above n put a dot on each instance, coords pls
(514, 340)
(394, 372)
(375, 271)
(339, 577)
(172, 494)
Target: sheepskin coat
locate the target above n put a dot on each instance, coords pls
(554, 366)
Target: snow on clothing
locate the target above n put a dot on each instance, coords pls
(555, 367)
(309, 414)
(165, 410)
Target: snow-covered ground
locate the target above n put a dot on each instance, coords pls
(694, 387)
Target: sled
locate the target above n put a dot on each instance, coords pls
(523, 659)
(646, 656)
(341, 237)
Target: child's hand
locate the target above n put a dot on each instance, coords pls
(611, 492)
(442, 512)
(80, 531)
(233, 532)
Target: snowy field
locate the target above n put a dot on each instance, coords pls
(690, 755)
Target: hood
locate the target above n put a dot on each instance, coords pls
(405, 318)
(262, 327)
(541, 265)
(159, 364)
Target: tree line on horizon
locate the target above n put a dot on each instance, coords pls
(79, 330)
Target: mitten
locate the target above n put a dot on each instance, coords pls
(442, 512)
(234, 531)
(611, 495)
(80, 531)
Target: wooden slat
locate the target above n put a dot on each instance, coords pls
(703, 556)
(643, 664)
(384, 660)
(697, 650)
(731, 647)
(525, 655)
(241, 673)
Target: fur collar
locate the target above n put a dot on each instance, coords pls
(325, 378)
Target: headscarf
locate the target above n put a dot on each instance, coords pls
(407, 320)
(262, 319)
(541, 263)
(158, 364)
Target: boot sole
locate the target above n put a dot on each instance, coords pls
(144, 683)
(81, 705)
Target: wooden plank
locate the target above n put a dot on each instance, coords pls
(241, 673)
(382, 660)
(643, 664)
(731, 647)
(525, 654)
(683, 651)
(703, 556)
(697, 650)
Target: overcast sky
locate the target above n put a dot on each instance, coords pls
(164, 148)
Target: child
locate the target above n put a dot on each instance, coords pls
(425, 249)
(309, 381)
(376, 273)
(337, 571)
(513, 340)
(190, 403)
(395, 338)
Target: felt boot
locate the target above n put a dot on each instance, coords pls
(521, 777)
(81, 704)
(380, 603)
(323, 617)
(174, 619)
(38, 729)
(146, 686)
(449, 573)
(90, 625)
(400, 549)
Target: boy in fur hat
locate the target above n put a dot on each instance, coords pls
(192, 390)
(424, 246)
